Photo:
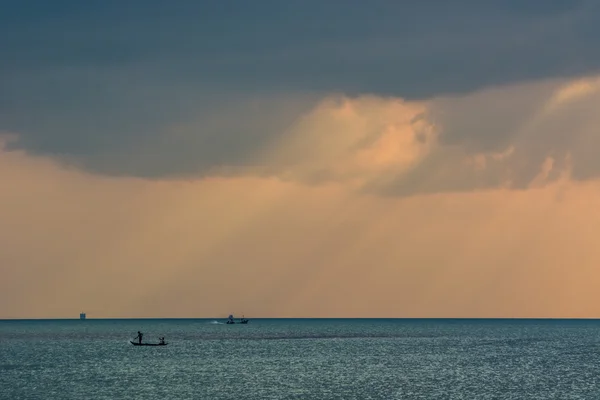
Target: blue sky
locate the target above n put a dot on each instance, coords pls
(105, 82)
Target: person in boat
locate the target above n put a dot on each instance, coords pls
(139, 336)
(161, 340)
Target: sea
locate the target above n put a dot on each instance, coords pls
(300, 359)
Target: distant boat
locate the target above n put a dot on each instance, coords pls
(230, 320)
(82, 315)
(148, 344)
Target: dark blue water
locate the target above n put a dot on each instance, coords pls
(301, 359)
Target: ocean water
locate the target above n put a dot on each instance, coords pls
(301, 359)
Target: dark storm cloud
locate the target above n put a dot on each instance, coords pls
(152, 88)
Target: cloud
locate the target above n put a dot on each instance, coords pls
(180, 134)
(351, 139)
(511, 136)
(550, 120)
(126, 247)
(393, 49)
(113, 87)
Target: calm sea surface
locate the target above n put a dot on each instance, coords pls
(301, 359)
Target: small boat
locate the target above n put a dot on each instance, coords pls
(230, 320)
(148, 344)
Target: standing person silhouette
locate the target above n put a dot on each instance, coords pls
(139, 336)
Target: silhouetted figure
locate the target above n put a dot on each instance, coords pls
(161, 340)
(139, 336)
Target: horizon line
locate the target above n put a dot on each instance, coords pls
(303, 318)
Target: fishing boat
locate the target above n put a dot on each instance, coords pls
(148, 344)
(230, 320)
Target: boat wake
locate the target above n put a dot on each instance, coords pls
(216, 323)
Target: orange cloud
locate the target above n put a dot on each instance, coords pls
(495, 138)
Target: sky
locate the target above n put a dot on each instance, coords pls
(299, 159)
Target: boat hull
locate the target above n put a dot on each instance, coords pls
(148, 344)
